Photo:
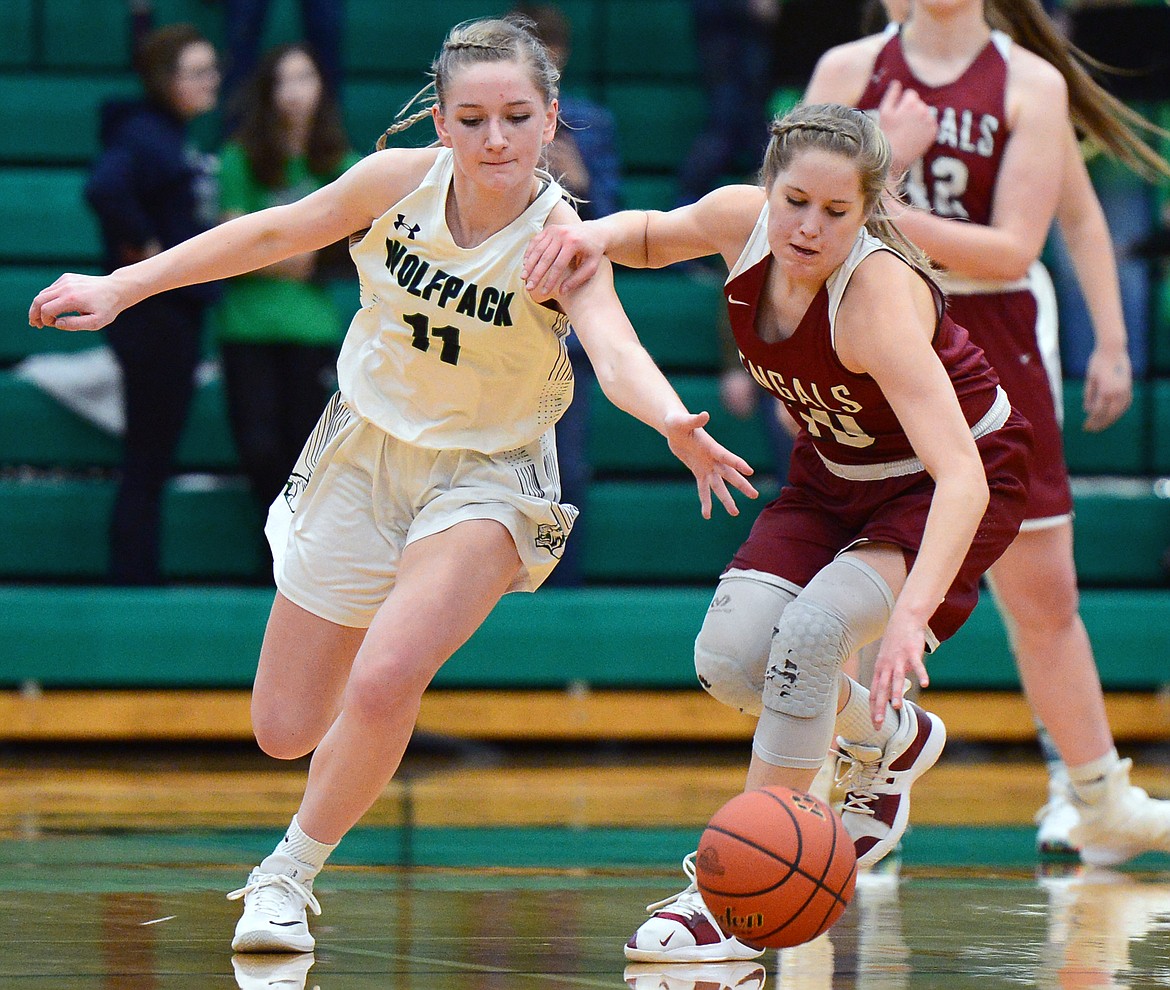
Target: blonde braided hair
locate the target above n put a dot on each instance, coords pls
(510, 38)
(855, 136)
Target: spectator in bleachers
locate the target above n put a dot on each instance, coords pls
(734, 45)
(152, 189)
(279, 329)
(322, 25)
(583, 156)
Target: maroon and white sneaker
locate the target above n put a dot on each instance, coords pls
(877, 781)
(742, 975)
(681, 929)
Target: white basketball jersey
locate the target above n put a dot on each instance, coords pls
(448, 349)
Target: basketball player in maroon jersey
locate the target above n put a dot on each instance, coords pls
(908, 476)
(999, 125)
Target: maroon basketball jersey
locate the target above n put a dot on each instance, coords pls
(956, 178)
(845, 415)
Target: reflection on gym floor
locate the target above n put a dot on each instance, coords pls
(70, 924)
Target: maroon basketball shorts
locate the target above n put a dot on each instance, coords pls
(1004, 325)
(818, 515)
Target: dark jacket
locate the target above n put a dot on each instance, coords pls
(150, 184)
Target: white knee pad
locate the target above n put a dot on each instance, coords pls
(731, 650)
(844, 607)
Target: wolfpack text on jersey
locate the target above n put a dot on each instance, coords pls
(448, 349)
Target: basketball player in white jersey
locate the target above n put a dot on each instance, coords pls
(430, 487)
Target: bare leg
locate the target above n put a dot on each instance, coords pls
(304, 664)
(1035, 589)
(447, 584)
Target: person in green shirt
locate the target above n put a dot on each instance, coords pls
(279, 328)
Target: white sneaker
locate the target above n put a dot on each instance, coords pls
(681, 929)
(274, 914)
(697, 976)
(1056, 820)
(1096, 917)
(261, 972)
(877, 781)
(1124, 823)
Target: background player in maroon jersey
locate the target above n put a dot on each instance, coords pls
(908, 476)
(999, 112)
(1108, 385)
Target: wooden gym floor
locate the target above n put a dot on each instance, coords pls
(512, 867)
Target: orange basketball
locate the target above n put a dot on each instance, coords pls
(775, 867)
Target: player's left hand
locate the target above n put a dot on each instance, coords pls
(712, 464)
(903, 648)
(1108, 389)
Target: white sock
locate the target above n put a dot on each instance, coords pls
(1088, 779)
(298, 855)
(853, 720)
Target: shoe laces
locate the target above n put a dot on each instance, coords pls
(858, 769)
(273, 891)
(688, 899)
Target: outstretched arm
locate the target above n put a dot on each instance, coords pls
(564, 256)
(884, 329)
(88, 302)
(632, 381)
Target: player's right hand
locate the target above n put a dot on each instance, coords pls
(909, 125)
(560, 258)
(77, 302)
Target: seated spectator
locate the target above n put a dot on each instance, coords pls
(279, 329)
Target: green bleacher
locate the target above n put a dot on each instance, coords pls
(650, 560)
(201, 637)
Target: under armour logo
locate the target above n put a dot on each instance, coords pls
(403, 224)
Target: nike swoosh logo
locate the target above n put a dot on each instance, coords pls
(736, 302)
(284, 924)
(663, 941)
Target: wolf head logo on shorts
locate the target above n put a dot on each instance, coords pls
(551, 538)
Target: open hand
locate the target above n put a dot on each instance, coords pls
(712, 464)
(902, 650)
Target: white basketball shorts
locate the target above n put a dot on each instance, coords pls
(358, 496)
